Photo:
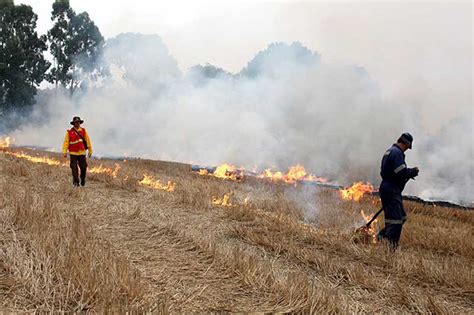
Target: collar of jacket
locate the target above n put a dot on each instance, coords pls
(396, 146)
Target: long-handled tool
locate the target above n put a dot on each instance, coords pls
(364, 233)
(373, 218)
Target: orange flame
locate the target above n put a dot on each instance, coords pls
(371, 229)
(313, 178)
(149, 181)
(295, 173)
(37, 159)
(5, 142)
(225, 171)
(356, 191)
(268, 173)
(203, 172)
(106, 170)
(224, 201)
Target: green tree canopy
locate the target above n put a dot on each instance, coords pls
(22, 63)
(76, 45)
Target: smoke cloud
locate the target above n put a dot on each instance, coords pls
(286, 106)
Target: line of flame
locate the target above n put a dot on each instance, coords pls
(151, 182)
(106, 170)
(146, 181)
(37, 159)
(295, 173)
(225, 171)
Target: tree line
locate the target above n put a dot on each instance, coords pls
(74, 43)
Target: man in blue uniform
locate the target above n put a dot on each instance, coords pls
(395, 174)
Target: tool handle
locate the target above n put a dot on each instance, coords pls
(374, 217)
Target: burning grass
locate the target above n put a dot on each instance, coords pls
(5, 142)
(224, 171)
(357, 191)
(106, 170)
(212, 245)
(37, 158)
(224, 201)
(295, 173)
(151, 182)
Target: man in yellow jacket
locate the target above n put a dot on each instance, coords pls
(77, 142)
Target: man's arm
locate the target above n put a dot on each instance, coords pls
(401, 170)
(66, 144)
(89, 144)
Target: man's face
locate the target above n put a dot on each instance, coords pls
(403, 146)
(77, 124)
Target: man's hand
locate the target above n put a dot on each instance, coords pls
(89, 154)
(65, 155)
(416, 170)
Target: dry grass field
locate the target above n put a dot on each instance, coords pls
(117, 245)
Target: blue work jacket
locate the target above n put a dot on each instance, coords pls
(394, 171)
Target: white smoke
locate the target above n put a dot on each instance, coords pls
(449, 162)
(286, 107)
(307, 199)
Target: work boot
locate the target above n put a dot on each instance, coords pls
(83, 182)
(75, 184)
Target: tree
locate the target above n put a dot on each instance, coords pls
(22, 63)
(144, 60)
(76, 45)
(278, 58)
(200, 75)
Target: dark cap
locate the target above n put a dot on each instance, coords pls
(407, 139)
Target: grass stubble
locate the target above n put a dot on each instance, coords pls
(116, 246)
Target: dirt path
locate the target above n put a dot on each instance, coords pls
(163, 241)
(176, 268)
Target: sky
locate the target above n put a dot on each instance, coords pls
(418, 56)
(411, 48)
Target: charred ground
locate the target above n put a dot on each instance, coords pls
(118, 245)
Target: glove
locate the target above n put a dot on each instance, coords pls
(415, 172)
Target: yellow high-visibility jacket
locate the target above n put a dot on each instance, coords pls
(80, 152)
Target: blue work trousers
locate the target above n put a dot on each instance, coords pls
(395, 217)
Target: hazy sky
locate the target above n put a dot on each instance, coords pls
(413, 49)
(419, 54)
